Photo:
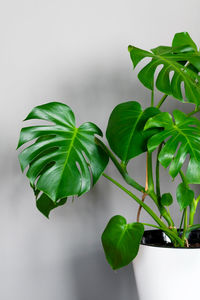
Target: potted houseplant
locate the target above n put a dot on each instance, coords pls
(65, 161)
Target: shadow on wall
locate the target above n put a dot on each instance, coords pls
(93, 97)
(98, 91)
(94, 279)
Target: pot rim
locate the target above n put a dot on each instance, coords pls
(193, 235)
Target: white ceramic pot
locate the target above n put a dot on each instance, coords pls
(167, 273)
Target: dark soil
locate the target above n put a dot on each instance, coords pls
(170, 245)
(196, 245)
(157, 238)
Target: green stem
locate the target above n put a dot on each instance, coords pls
(193, 208)
(183, 178)
(191, 218)
(164, 213)
(185, 210)
(173, 235)
(193, 112)
(150, 173)
(120, 168)
(181, 223)
(191, 228)
(158, 173)
(192, 212)
(130, 181)
(152, 97)
(145, 206)
(185, 224)
(161, 101)
(151, 225)
(197, 199)
(161, 208)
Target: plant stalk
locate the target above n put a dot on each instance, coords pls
(193, 112)
(146, 189)
(185, 224)
(183, 178)
(130, 181)
(173, 235)
(151, 225)
(150, 173)
(193, 208)
(181, 223)
(120, 168)
(158, 173)
(161, 101)
(152, 97)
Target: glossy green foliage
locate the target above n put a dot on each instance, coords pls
(183, 43)
(184, 195)
(125, 132)
(166, 199)
(63, 160)
(45, 205)
(179, 64)
(182, 138)
(121, 241)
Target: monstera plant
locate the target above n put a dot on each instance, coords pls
(65, 161)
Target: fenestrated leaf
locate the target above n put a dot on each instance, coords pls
(45, 204)
(64, 160)
(166, 199)
(121, 241)
(182, 137)
(182, 42)
(184, 195)
(125, 129)
(173, 59)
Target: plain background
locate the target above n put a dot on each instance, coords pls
(74, 52)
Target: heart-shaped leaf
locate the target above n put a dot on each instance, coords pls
(64, 160)
(184, 195)
(182, 137)
(125, 129)
(121, 241)
(175, 61)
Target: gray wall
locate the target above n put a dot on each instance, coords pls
(74, 52)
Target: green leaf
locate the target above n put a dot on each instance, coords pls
(161, 50)
(182, 42)
(121, 241)
(45, 204)
(166, 199)
(184, 195)
(64, 160)
(173, 60)
(182, 137)
(125, 129)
